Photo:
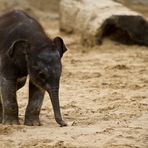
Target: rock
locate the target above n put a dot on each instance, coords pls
(85, 17)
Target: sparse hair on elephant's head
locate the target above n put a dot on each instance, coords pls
(24, 45)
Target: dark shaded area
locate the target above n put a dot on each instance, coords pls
(124, 29)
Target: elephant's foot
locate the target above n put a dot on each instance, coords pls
(32, 121)
(61, 122)
(10, 120)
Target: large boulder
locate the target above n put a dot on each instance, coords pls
(86, 17)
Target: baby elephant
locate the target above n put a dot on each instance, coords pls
(25, 50)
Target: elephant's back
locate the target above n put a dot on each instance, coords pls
(16, 25)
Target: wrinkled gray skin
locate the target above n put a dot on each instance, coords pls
(25, 50)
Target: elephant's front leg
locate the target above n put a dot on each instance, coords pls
(10, 106)
(36, 96)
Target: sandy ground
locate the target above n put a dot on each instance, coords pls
(104, 99)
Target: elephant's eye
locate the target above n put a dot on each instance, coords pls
(42, 75)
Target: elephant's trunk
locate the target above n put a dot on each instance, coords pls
(54, 96)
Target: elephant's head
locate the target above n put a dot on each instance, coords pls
(44, 68)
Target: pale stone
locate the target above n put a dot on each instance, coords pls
(86, 16)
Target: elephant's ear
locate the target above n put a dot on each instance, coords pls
(21, 45)
(59, 45)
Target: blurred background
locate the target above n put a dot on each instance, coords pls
(53, 5)
(103, 91)
(42, 10)
(42, 5)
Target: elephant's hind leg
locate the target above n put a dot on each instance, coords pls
(10, 106)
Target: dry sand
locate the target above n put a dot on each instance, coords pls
(103, 96)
